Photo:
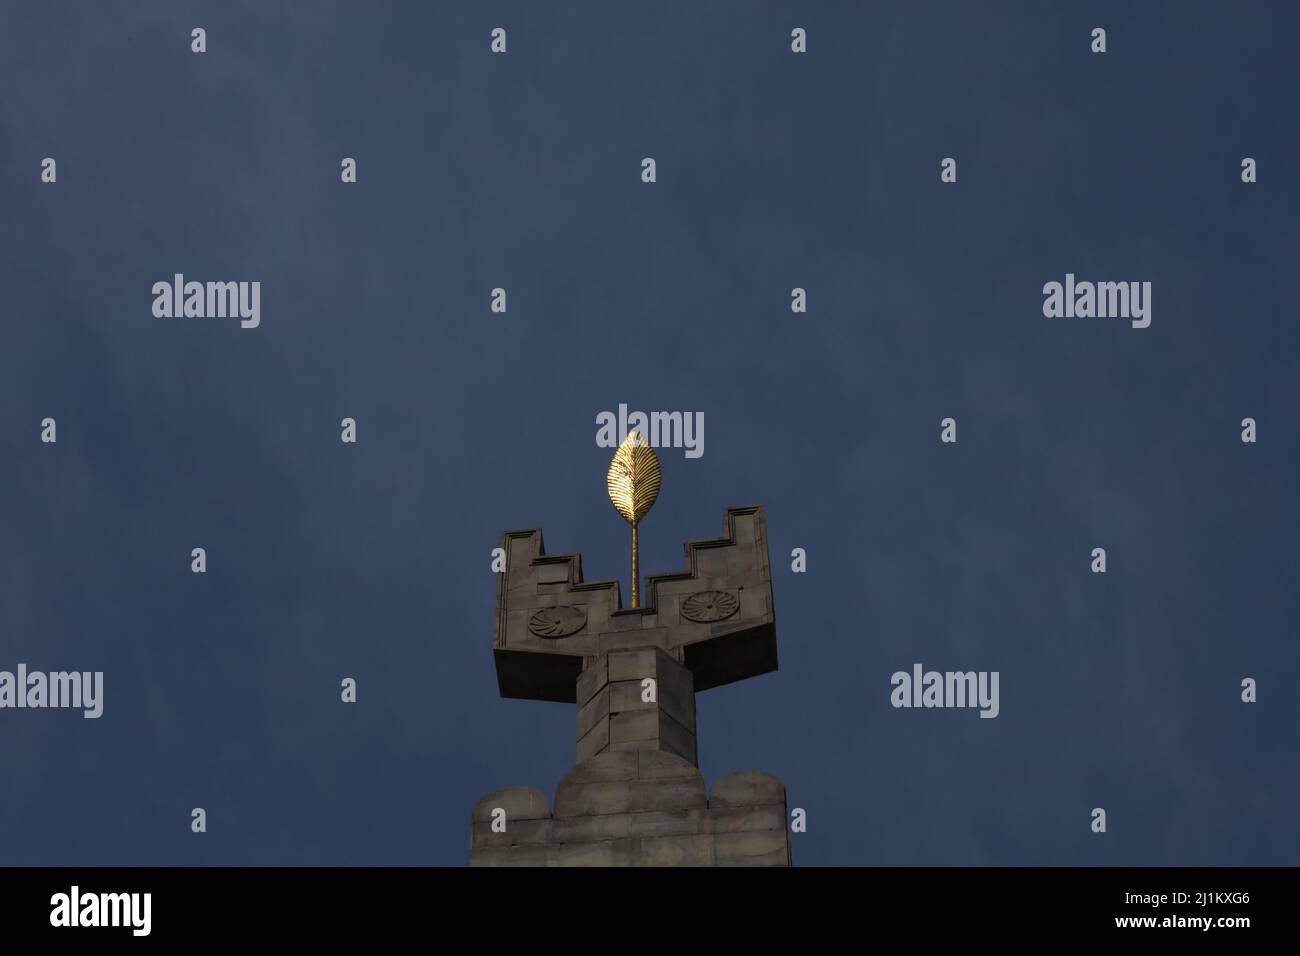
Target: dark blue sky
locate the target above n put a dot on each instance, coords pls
(774, 171)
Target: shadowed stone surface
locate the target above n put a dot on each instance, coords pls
(635, 797)
(638, 808)
(536, 667)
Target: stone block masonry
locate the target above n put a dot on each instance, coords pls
(635, 807)
(635, 797)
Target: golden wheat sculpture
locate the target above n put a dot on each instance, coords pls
(633, 483)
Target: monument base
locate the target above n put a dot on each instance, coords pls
(635, 807)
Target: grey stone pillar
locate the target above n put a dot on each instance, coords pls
(636, 700)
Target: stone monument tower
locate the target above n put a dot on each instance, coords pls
(635, 796)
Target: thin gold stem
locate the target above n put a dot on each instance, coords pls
(635, 570)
